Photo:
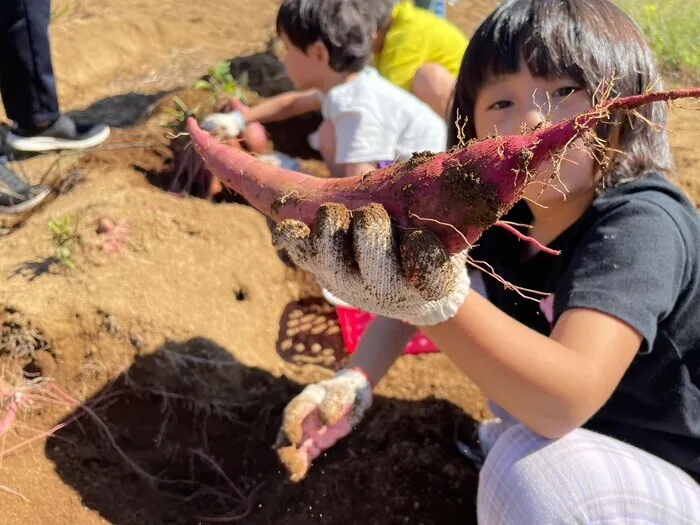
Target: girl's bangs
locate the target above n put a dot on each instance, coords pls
(548, 49)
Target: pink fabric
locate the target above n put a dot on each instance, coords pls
(353, 324)
(547, 308)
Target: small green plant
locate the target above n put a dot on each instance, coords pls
(221, 82)
(180, 113)
(65, 238)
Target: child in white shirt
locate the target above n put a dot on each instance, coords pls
(368, 121)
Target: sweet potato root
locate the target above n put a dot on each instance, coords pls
(457, 194)
(189, 175)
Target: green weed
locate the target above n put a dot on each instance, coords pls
(222, 83)
(65, 239)
(672, 28)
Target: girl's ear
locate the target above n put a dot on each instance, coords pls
(318, 52)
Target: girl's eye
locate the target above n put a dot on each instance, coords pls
(566, 91)
(501, 104)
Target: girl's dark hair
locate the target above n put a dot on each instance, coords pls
(344, 26)
(589, 41)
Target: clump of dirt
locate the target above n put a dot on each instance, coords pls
(421, 256)
(525, 156)
(465, 186)
(18, 337)
(69, 181)
(198, 427)
(409, 166)
(24, 345)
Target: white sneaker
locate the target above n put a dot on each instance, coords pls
(16, 196)
(64, 134)
(14, 203)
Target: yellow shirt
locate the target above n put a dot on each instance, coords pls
(417, 36)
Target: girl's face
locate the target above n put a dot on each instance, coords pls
(507, 102)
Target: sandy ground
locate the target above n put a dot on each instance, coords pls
(171, 328)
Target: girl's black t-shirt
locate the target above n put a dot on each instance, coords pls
(635, 255)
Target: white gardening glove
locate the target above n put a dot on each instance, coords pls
(230, 124)
(356, 257)
(319, 416)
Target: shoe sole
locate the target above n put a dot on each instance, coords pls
(25, 205)
(40, 144)
(475, 457)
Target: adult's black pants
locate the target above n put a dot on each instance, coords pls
(27, 83)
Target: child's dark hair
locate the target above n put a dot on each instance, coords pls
(589, 41)
(380, 11)
(344, 26)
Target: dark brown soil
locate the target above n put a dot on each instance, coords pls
(422, 259)
(204, 424)
(462, 185)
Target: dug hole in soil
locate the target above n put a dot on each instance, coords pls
(185, 335)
